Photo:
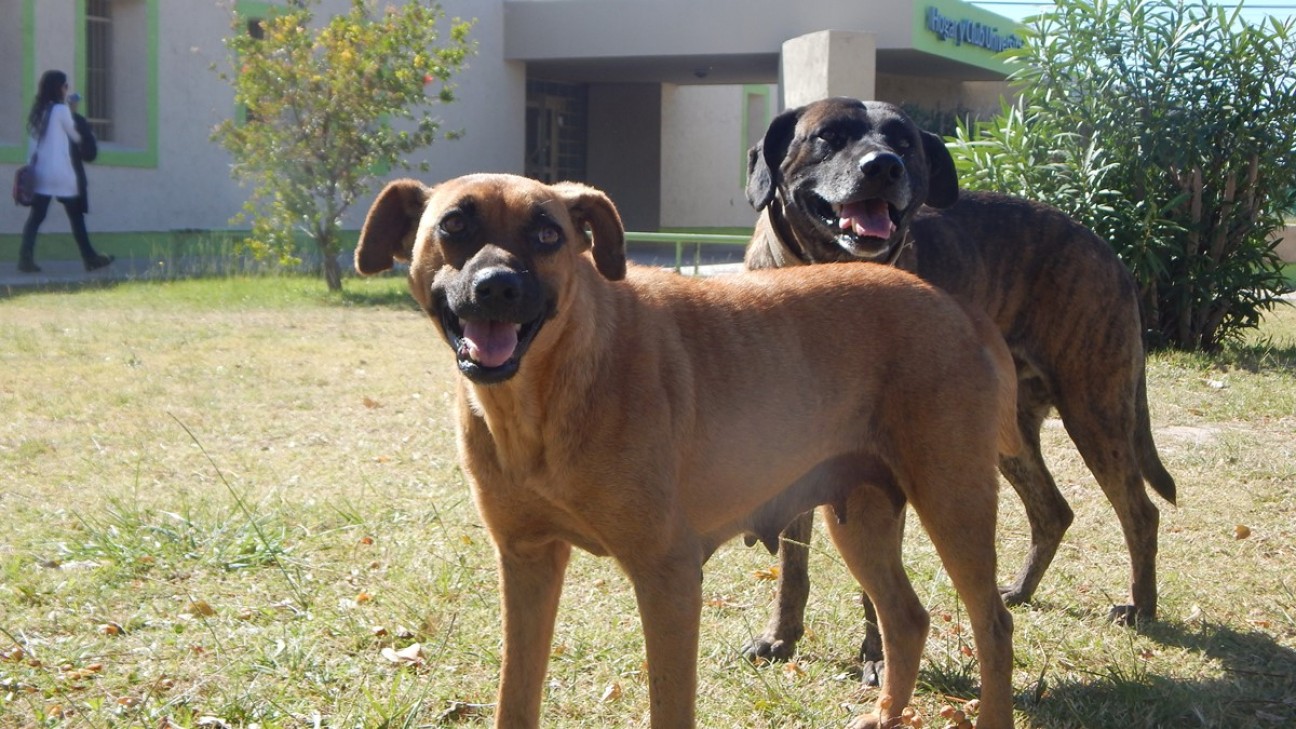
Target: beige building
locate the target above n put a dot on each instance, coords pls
(655, 101)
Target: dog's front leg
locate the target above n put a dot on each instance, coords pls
(669, 592)
(531, 579)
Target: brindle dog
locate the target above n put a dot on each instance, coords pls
(845, 180)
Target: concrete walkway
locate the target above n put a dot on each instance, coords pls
(66, 274)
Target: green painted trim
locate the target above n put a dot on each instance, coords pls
(750, 90)
(17, 153)
(958, 46)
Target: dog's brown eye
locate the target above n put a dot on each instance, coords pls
(832, 138)
(549, 236)
(454, 224)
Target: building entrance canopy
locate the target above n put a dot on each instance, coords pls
(739, 41)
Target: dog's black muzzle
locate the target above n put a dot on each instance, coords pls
(490, 316)
(863, 212)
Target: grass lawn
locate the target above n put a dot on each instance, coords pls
(236, 502)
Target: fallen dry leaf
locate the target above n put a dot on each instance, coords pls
(371, 403)
(410, 655)
(767, 575)
(199, 608)
(611, 693)
(1241, 531)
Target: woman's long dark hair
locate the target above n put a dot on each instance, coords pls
(48, 93)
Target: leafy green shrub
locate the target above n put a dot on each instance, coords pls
(1168, 128)
(331, 107)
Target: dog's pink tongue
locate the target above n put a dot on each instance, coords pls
(490, 343)
(867, 218)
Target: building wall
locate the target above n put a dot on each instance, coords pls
(980, 97)
(704, 165)
(671, 156)
(603, 28)
(186, 184)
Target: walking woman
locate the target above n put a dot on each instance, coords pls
(51, 128)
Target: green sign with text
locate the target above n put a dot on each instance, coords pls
(962, 32)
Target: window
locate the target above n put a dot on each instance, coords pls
(17, 85)
(117, 74)
(556, 119)
(97, 92)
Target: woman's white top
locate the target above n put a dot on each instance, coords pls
(54, 173)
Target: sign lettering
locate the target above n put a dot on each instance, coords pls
(970, 32)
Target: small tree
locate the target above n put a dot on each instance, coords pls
(1168, 127)
(324, 106)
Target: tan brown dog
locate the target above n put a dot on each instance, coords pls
(848, 180)
(653, 418)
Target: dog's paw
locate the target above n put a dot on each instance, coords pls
(767, 649)
(1014, 594)
(1128, 615)
(865, 721)
(871, 673)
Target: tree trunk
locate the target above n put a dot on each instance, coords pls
(326, 238)
(332, 271)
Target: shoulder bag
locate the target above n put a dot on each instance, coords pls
(24, 183)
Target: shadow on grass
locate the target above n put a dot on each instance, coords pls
(1253, 686)
(385, 297)
(1261, 357)
(57, 287)
(380, 292)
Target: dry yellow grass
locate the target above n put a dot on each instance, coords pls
(225, 499)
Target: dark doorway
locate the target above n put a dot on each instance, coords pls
(556, 123)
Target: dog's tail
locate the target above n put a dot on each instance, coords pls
(1154, 471)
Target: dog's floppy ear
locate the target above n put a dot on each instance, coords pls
(594, 208)
(764, 160)
(942, 179)
(388, 233)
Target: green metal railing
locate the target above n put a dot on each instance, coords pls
(683, 239)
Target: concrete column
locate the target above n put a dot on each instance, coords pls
(828, 63)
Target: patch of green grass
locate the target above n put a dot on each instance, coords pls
(225, 498)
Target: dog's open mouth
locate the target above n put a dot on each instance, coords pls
(866, 219)
(863, 228)
(488, 351)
